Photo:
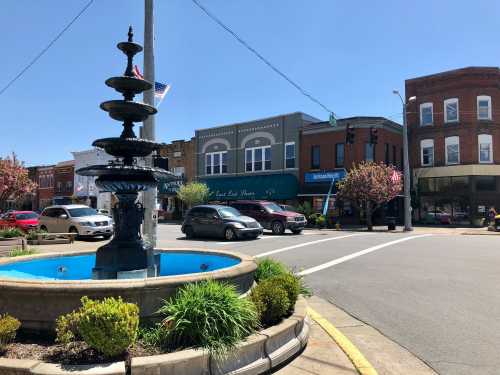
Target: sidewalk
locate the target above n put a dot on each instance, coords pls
(324, 357)
(416, 229)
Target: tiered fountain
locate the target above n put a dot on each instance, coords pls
(38, 289)
(127, 254)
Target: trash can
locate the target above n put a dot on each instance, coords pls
(391, 223)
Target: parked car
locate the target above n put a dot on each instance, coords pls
(24, 220)
(75, 218)
(272, 216)
(497, 223)
(219, 221)
(437, 217)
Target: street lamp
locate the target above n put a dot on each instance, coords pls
(406, 163)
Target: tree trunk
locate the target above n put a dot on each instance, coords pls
(369, 216)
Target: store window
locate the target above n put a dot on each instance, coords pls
(369, 152)
(216, 162)
(426, 115)
(452, 150)
(339, 155)
(258, 159)
(485, 147)
(484, 107)
(486, 183)
(315, 157)
(427, 152)
(290, 155)
(451, 110)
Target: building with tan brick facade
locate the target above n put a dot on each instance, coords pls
(454, 132)
(324, 155)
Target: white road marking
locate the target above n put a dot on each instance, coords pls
(357, 254)
(305, 244)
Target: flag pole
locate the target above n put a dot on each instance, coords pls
(149, 196)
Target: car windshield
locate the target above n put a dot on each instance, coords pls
(229, 212)
(26, 216)
(273, 207)
(84, 211)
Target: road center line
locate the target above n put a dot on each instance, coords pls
(357, 254)
(304, 244)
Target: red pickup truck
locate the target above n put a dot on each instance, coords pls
(272, 216)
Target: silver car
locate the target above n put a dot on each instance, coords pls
(76, 218)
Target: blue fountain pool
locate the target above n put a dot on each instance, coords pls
(79, 267)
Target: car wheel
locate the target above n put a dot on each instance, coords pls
(296, 231)
(229, 234)
(189, 232)
(277, 227)
(74, 231)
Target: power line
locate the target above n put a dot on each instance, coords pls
(262, 58)
(42, 52)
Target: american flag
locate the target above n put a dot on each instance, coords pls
(395, 177)
(161, 89)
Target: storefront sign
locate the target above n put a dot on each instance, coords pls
(327, 176)
(171, 187)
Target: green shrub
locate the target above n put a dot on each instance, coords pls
(33, 234)
(267, 268)
(18, 252)
(271, 301)
(8, 328)
(11, 233)
(110, 326)
(291, 284)
(210, 315)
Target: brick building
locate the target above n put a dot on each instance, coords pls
(180, 155)
(325, 156)
(45, 190)
(64, 175)
(454, 131)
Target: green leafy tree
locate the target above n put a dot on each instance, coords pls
(194, 193)
(368, 185)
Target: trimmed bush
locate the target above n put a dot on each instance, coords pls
(11, 233)
(33, 234)
(271, 301)
(291, 285)
(208, 314)
(267, 268)
(8, 329)
(109, 326)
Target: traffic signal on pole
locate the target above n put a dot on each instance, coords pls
(373, 136)
(349, 134)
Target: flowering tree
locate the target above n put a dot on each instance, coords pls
(14, 181)
(370, 185)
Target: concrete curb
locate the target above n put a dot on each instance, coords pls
(258, 354)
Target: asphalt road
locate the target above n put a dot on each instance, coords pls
(435, 295)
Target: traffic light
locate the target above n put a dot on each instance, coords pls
(349, 134)
(373, 135)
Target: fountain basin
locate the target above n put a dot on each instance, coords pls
(38, 289)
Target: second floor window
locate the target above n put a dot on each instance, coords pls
(452, 150)
(258, 159)
(426, 116)
(369, 152)
(69, 185)
(451, 110)
(315, 157)
(216, 162)
(427, 152)
(484, 107)
(485, 142)
(290, 155)
(386, 154)
(339, 155)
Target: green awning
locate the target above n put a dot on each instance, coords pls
(269, 187)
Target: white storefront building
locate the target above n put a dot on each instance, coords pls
(84, 186)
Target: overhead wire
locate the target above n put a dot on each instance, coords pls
(262, 58)
(46, 48)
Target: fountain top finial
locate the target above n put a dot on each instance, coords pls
(130, 34)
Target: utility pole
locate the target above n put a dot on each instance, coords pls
(149, 196)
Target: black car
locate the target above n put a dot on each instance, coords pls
(219, 221)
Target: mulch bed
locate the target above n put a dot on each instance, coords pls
(77, 353)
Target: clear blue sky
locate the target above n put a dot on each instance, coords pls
(349, 54)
